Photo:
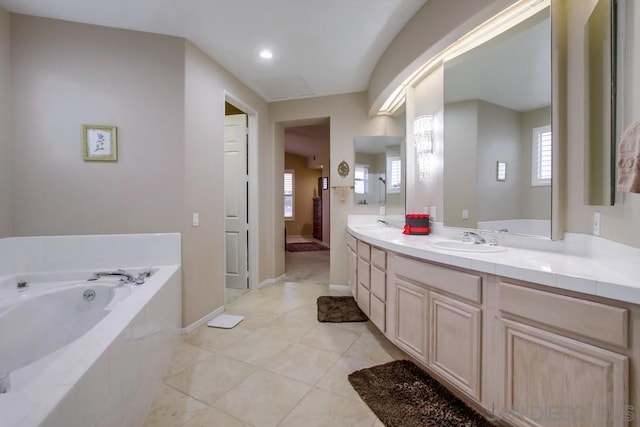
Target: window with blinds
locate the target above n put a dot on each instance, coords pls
(394, 168)
(541, 156)
(361, 179)
(288, 194)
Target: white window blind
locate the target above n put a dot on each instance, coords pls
(541, 156)
(361, 179)
(395, 175)
(288, 194)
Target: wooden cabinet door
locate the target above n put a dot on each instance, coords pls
(411, 319)
(553, 380)
(378, 282)
(353, 271)
(455, 334)
(364, 274)
(363, 299)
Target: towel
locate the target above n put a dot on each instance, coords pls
(629, 160)
(342, 193)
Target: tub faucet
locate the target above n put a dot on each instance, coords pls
(471, 236)
(124, 276)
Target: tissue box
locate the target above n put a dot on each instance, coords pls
(416, 223)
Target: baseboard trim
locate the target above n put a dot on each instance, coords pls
(270, 281)
(202, 321)
(342, 288)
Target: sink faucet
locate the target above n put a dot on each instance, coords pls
(382, 221)
(471, 236)
(124, 276)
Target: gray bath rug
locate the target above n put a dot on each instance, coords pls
(402, 394)
(339, 309)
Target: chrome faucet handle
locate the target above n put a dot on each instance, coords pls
(466, 237)
(140, 278)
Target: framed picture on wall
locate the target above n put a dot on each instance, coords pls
(100, 143)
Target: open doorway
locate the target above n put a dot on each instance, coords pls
(239, 244)
(307, 201)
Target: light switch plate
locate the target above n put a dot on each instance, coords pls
(465, 213)
(195, 219)
(596, 223)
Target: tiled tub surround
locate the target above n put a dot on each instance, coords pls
(109, 375)
(579, 263)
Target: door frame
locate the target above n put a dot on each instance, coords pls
(252, 202)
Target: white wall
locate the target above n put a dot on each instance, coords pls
(349, 118)
(65, 75)
(5, 131)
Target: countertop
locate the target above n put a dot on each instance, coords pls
(580, 263)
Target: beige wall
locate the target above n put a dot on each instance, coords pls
(535, 202)
(349, 118)
(167, 99)
(619, 223)
(305, 189)
(203, 247)
(426, 98)
(65, 75)
(435, 26)
(5, 131)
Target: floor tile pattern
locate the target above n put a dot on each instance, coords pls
(278, 367)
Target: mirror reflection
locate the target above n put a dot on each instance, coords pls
(379, 172)
(498, 112)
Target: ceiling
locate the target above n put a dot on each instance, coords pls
(512, 70)
(320, 47)
(307, 140)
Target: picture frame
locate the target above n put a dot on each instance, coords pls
(100, 143)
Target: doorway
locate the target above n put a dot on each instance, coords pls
(307, 200)
(240, 245)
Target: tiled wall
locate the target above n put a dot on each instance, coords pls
(19, 255)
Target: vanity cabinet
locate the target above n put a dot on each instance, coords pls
(439, 320)
(352, 248)
(531, 354)
(368, 280)
(554, 363)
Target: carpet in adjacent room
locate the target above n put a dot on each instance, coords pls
(402, 394)
(306, 247)
(339, 309)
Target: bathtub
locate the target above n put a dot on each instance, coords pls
(87, 352)
(37, 322)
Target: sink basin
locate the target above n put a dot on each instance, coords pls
(369, 227)
(454, 245)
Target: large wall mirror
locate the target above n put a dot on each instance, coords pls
(497, 132)
(379, 172)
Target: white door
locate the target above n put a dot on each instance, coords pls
(235, 201)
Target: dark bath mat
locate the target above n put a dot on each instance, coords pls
(402, 394)
(339, 309)
(306, 247)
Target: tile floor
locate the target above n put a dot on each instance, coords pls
(279, 367)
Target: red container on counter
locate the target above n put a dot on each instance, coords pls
(416, 223)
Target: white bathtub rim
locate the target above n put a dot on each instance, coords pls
(31, 405)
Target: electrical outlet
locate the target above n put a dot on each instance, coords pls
(195, 219)
(596, 223)
(465, 213)
(432, 214)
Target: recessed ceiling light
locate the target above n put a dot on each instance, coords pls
(266, 54)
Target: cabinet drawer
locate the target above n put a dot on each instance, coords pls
(464, 285)
(377, 313)
(363, 273)
(379, 258)
(378, 283)
(364, 251)
(363, 299)
(590, 319)
(352, 242)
